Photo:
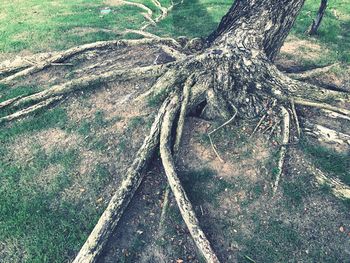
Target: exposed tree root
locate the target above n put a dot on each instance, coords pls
(163, 85)
(305, 75)
(183, 111)
(21, 62)
(335, 115)
(182, 200)
(321, 105)
(141, 33)
(120, 200)
(283, 150)
(312, 76)
(62, 56)
(58, 91)
(338, 188)
(164, 208)
(149, 13)
(327, 135)
(178, 137)
(29, 110)
(8, 102)
(164, 10)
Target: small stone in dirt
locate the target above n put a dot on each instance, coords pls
(341, 229)
(179, 260)
(105, 11)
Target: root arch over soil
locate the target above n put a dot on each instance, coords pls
(230, 75)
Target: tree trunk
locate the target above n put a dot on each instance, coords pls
(317, 21)
(248, 39)
(260, 24)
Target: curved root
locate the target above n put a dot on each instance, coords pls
(183, 111)
(108, 221)
(149, 13)
(182, 200)
(220, 127)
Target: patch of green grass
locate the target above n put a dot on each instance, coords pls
(42, 26)
(204, 185)
(271, 243)
(334, 32)
(89, 128)
(35, 211)
(328, 160)
(296, 189)
(135, 122)
(196, 18)
(101, 174)
(56, 117)
(48, 230)
(157, 99)
(271, 163)
(10, 92)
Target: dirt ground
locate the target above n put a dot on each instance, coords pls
(232, 199)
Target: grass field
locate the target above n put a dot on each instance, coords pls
(43, 222)
(38, 26)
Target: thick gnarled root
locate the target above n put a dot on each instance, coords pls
(109, 219)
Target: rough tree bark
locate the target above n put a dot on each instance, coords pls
(234, 74)
(317, 21)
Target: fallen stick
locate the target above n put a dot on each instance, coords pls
(220, 127)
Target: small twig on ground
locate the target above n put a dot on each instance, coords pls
(164, 208)
(220, 127)
(295, 115)
(258, 125)
(62, 64)
(249, 259)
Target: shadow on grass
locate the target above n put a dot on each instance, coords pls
(192, 18)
